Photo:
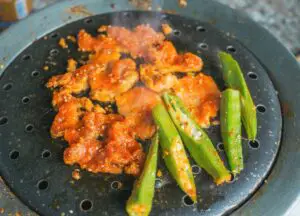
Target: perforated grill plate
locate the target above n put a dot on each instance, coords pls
(32, 164)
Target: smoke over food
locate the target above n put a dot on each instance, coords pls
(127, 69)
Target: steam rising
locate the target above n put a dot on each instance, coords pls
(123, 19)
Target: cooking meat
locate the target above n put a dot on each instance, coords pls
(167, 60)
(69, 83)
(82, 152)
(201, 96)
(60, 97)
(120, 152)
(103, 141)
(93, 125)
(88, 43)
(155, 79)
(77, 80)
(104, 57)
(107, 84)
(136, 105)
(69, 115)
(162, 54)
(138, 41)
(122, 148)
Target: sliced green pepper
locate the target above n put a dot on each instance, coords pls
(231, 124)
(173, 151)
(234, 78)
(140, 201)
(196, 140)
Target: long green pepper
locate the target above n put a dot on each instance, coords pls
(231, 129)
(234, 78)
(196, 140)
(140, 201)
(173, 151)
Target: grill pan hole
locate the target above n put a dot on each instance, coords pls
(252, 75)
(35, 73)
(54, 35)
(196, 169)
(88, 21)
(232, 178)
(126, 14)
(220, 147)
(200, 29)
(176, 32)
(164, 16)
(7, 86)
(231, 49)
(158, 183)
(54, 52)
(261, 108)
(43, 184)
(29, 128)
(187, 201)
(116, 185)
(25, 100)
(46, 154)
(254, 144)
(14, 154)
(86, 205)
(26, 57)
(3, 120)
(203, 46)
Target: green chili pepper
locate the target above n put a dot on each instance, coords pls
(196, 140)
(140, 201)
(234, 78)
(173, 151)
(231, 129)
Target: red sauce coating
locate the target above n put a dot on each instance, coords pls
(201, 96)
(102, 141)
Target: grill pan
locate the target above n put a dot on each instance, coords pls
(31, 162)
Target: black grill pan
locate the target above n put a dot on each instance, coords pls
(31, 162)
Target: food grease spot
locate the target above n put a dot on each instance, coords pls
(80, 10)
